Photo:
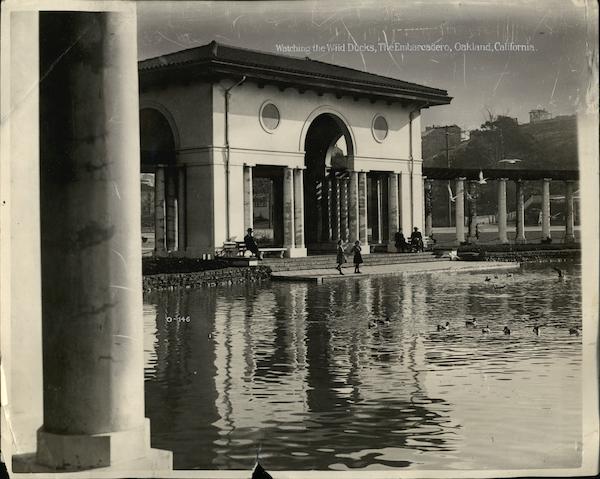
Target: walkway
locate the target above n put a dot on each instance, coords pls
(330, 274)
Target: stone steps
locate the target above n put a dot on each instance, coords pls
(328, 261)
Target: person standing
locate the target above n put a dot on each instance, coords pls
(341, 257)
(356, 249)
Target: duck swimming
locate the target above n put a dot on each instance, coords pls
(536, 330)
(487, 278)
(506, 330)
(471, 322)
(485, 330)
(443, 327)
(574, 331)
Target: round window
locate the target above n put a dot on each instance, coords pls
(380, 128)
(269, 117)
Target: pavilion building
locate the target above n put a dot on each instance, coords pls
(304, 152)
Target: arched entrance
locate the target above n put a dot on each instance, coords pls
(163, 185)
(328, 153)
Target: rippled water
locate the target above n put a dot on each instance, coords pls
(296, 369)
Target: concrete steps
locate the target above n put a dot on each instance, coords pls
(328, 261)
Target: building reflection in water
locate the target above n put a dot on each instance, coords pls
(298, 371)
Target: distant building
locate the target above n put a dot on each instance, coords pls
(539, 115)
(433, 140)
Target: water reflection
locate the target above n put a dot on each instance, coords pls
(301, 371)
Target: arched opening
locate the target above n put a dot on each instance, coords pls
(328, 151)
(163, 186)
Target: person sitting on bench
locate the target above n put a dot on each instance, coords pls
(251, 244)
(416, 240)
(400, 242)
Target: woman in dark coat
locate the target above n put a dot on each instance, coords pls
(356, 249)
(341, 257)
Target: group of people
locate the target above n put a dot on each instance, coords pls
(415, 244)
(341, 256)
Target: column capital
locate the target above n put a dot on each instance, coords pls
(547, 179)
(249, 165)
(502, 179)
(461, 178)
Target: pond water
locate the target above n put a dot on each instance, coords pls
(302, 372)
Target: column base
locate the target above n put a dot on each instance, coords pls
(569, 239)
(520, 240)
(120, 450)
(366, 249)
(391, 248)
(296, 253)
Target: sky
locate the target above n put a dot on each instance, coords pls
(550, 70)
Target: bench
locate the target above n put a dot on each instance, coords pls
(280, 251)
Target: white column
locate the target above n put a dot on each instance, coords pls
(546, 208)
(428, 211)
(353, 216)
(288, 209)
(248, 199)
(299, 208)
(336, 213)
(520, 221)
(362, 212)
(379, 238)
(160, 212)
(181, 210)
(569, 217)
(501, 216)
(472, 209)
(460, 210)
(329, 193)
(344, 208)
(392, 210)
(20, 294)
(93, 356)
(405, 204)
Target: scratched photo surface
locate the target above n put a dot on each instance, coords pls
(356, 374)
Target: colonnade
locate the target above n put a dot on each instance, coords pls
(468, 191)
(169, 209)
(342, 207)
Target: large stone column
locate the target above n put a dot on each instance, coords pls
(91, 245)
(428, 187)
(248, 199)
(20, 291)
(344, 208)
(353, 201)
(501, 216)
(160, 212)
(546, 208)
(299, 212)
(520, 220)
(288, 209)
(569, 214)
(459, 212)
(393, 218)
(362, 212)
(181, 210)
